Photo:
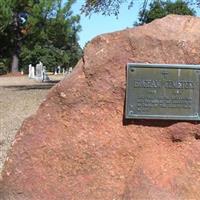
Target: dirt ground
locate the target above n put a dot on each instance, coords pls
(20, 97)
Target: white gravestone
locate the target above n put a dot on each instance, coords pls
(39, 71)
(59, 69)
(55, 72)
(31, 70)
(45, 77)
(63, 71)
(70, 70)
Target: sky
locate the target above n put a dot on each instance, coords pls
(98, 24)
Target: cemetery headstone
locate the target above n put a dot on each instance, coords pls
(59, 70)
(55, 71)
(31, 71)
(39, 71)
(70, 70)
(45, 75)
(63, 71)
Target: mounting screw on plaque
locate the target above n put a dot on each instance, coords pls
(131, 112)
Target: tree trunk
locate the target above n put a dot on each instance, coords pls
(15, 63)
(15, 55)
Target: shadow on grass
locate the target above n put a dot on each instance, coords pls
(42, 86)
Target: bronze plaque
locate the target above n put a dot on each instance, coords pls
(162, 92)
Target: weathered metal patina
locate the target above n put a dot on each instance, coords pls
(165, 91)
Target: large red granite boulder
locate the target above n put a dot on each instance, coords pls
(78, 145)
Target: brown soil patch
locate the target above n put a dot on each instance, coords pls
(20, 97)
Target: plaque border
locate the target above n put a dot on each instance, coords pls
(161, 117)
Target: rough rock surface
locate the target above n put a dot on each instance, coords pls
(78, 145)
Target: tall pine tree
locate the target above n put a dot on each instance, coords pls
(53, 36)
(36, 30)
(13, 14)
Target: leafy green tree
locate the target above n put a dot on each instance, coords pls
(160, 8)
(109, 7)
(13, 14)
(53, 36)
(32, 30)
(106, 7)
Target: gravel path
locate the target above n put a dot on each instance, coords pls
(20, 97)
